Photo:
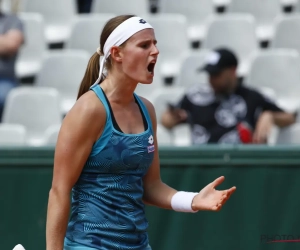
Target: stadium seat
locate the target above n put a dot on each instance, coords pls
(58, 17)
(121, 7)
(189, 73)
(289, 104)
(163, 96)
(12, 135)
(171, 34)
(279, 70)
(296, 3)
(287, 32)
(264, 12)
(289, 135)
(63, 71)
(198, 13)
(221, 3)
(51, 135)
(86, 31)
(163, 136)
(34, 47)
(293, 3)
(267, 92)
(236, 32)
(35, 108)
(182, 135)
(5, 6)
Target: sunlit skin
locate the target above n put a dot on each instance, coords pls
(133, 59)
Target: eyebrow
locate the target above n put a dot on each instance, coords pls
(148, 40)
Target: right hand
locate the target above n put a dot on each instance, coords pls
(173, 116)
(210, 199)
(179, 115)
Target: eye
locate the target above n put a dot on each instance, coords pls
(145, 45)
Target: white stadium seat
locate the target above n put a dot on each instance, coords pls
(86, 31)
(12, 135)
(287, 33)
(64, 72)
(189, 73)
(51, 135)
(121, 7)
(264, 12)
(289, 135)
(164, 137)
(164, 96)
(34, 108)
(171, 34)
(58, 17)
(182, 135)
(198, 13)
(236, 32)
(34, 47)
(278, 70)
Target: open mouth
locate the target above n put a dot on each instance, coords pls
(151, 67)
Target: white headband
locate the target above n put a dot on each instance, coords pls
(121, 34)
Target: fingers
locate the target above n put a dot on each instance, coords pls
(259, 137)
(261, 134)
(218, 181)
(263, 127)
(217, 207)
(231, 190)
(182, 115)
(179, 114)
(225, 197)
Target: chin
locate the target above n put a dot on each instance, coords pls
(146, 81)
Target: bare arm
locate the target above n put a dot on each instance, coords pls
(10, 42)
(156, 192)
(265, 122)
(171, 118)
(159, 194)
(80, 129)
(282, 119)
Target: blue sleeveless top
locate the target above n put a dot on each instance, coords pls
(107, 209)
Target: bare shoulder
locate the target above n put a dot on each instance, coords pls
(88, 114)
(149, 106)
(151, 111)
(88, 105)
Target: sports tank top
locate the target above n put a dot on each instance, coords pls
(107, 211)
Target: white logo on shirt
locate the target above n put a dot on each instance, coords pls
(150, 139)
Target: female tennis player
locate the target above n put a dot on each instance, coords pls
(107, 152)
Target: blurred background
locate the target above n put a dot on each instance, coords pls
(45, 46)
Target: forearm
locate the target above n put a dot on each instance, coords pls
(7, 47)
(159, 194)
(57, 219)
(168, 120)
(282, 119)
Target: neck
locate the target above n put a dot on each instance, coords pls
(119, 88)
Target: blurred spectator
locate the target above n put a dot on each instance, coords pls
(11, 38)
(225, 111)
(84, 6)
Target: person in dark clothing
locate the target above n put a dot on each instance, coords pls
(226, 111)
(11, 39)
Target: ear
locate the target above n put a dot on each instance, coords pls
(116, 54)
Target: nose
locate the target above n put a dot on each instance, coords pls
(155, 50)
